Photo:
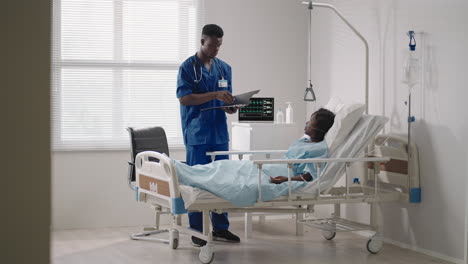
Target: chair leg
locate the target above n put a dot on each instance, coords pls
(145, 236)
(156, 222)
(149, 231)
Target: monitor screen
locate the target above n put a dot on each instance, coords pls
(259, 109)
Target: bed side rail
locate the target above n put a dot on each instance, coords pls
(321, 160)
(403, 167)
(377, 161)
(158, 179)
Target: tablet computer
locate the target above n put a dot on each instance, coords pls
(240, 100)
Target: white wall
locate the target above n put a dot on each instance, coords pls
(435, 225)
(89, 189)
(265, 43)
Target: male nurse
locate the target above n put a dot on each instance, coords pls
(205, 81)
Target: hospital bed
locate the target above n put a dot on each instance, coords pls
(384, 181)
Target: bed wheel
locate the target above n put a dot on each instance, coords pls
(173, 238)
(206, 255)
(328, 235)
(375, 244)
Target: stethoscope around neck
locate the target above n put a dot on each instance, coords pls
(198, 78)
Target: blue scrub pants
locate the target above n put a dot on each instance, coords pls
(196, 154)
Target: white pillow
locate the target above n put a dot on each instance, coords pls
(345, 119)
(334, 105)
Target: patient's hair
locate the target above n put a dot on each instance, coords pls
(212, 30)
(325, 119)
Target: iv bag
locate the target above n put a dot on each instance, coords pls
(411, 70)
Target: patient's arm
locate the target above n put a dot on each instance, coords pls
(301, 177)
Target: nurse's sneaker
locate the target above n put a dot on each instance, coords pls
(198, 242)
(225, 236)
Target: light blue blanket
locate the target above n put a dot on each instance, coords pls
(237, 181)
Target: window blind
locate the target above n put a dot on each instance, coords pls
(114, 65)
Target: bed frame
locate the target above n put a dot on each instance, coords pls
(157, 183)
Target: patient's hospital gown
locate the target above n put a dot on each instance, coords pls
(237, 181)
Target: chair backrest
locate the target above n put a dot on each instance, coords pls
(145, 139)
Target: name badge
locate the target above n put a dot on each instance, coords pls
(222, 83)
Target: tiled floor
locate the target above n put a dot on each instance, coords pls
(272, 242)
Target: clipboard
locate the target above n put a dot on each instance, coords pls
(240, 100)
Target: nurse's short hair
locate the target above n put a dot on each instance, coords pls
(212, 30)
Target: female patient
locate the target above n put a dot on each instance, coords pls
(237, 181)
(314, 147)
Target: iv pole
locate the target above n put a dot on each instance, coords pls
(310, 5)
(309, 88)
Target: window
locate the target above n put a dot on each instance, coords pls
(115, 65)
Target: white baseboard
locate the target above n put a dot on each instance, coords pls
(414, 248)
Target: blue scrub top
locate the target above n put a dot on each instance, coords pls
(209, 126)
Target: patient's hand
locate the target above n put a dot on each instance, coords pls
(278, 179)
